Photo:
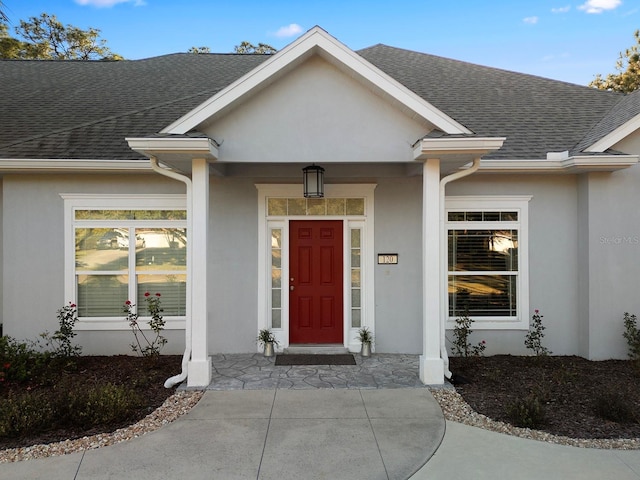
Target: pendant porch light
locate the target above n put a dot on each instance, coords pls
(313, 181)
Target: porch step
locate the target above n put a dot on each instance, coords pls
(312, 349)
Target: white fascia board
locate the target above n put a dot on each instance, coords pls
(576, 164)
(318, 41)
(614, 137)
(71, 164)
(200, 146)
(437, 147)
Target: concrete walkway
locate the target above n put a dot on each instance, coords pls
(469, 453)
(269, 434)
(368, 421)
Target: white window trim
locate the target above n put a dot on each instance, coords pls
(73, 202)
(519, 203)
(365, 222)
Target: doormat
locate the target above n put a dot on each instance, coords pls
(315, 359)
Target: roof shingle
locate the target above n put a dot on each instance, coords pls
(75, 109)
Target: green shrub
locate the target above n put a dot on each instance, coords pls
(632, 336)
(461, 333)
(105, 404)
(147, 346)
(526, 412)
(19, 361)
(67, 406)
(616, 407)
(61, 340)
(533, 338)
(22, 414)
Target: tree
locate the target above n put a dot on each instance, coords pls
(628, 66)
(46, 38)
(10, 47)
(199, 50)
(3, 14)
(247, 47)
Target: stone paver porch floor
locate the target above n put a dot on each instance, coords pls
(257, 372)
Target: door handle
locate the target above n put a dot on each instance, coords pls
(292, 288)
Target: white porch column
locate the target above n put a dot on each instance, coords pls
(431, 363)
(199, 370)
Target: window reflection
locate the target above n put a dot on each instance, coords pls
(161, 249)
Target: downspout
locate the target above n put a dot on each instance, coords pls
(443, 259)
(176, 379)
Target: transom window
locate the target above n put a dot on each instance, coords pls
(315, 206)
(119, 253)
(486, 240)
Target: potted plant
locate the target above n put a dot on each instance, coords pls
(366, 339)
(267, 340)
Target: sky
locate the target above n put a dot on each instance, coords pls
(565, 40)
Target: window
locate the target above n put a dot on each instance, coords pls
(118, 248)
(276, 278)
(315, 206)
(487, 260)
(356, 284)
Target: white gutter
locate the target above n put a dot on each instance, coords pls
(170, 382)
(443, 259)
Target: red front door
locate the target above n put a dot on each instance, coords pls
(315, 283)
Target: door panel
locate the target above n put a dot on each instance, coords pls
(316, 284)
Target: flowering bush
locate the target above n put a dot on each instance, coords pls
(461, 332)
(62, 338)
(147, 346)
(4, 371)
(533, 339)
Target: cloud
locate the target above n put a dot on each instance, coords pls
(109, 3)
(599, 6)
(530, 20)
(289, 31)
(561, 9)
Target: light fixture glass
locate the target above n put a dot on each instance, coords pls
(313, 181)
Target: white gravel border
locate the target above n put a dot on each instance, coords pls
(453, 406)
(455, 409)
(177, 404)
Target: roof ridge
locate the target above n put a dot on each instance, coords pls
(600, 121)
(474, 64)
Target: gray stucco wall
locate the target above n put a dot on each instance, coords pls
(316, 113)
(233, 262)
(33, 241)
(584, 241)
(610, 240)
(398, 224)
(553, 259)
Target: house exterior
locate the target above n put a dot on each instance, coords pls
(448, 187)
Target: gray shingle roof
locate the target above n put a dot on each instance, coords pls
(74, 109)
(626, 109)
(537, 115)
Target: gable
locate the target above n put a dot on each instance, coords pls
(630, 144)
(316, 113)
(316, 42)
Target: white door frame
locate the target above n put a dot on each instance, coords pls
(364, 222)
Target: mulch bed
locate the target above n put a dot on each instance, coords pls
(569, 388)
(145, 376)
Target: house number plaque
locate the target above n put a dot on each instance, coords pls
(387, 259)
